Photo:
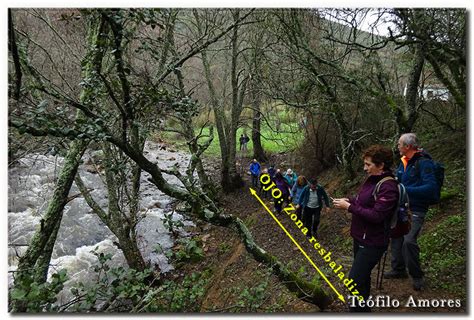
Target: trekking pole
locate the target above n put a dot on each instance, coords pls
(377, 281)
(383, 267)
(379, 284)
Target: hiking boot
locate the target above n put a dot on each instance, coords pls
(395, 275)
(418, 283)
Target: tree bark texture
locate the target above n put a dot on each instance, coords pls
(45, 236)
(38, 255)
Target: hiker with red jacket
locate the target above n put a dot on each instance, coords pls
(371, 217)
(417, 173)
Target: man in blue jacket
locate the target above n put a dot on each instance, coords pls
(312, 198)
(255, 172)
(416, 172)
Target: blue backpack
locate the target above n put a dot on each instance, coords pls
(439, 176)
(400, 222)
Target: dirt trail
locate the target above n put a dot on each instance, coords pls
(214, 290)
(237, 269)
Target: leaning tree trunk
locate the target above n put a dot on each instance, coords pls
(117, 224)
(41, 271)
(44, 237)
(305, 290)
(38, 254)
(204, 208)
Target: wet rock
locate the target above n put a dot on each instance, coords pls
(97, 156)
(182, 207)
(157, 204)
(91, 168)
(88, 161)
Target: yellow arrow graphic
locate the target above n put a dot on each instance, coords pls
(254, 193)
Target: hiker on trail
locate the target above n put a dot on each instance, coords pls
(311, 200)
(245, 140)
(264, 194)
(285, 191)
(295, 194)
(272, 171)
(417, 173)
(255, 172)
(290, 177)
(370, 227)
(241, 141)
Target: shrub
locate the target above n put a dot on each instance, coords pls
(37, 297)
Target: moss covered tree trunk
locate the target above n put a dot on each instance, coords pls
(34, 264)
(41, 271)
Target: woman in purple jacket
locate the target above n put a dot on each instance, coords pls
(370, 226)
(284, 187)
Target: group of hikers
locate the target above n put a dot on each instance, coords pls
(388, 211)
(307, 196)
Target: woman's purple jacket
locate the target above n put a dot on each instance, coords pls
(283, 186)
(370, 218)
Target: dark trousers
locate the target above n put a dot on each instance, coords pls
(279, 203)
(311, 218)
(365, 259)
(264, 194)
(405, 250)
(254, 181)
(299, 212)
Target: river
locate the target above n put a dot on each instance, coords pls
(30, 185)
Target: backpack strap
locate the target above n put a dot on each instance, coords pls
(416, 165)
(394, 218)
(401, 192)
(377, 186)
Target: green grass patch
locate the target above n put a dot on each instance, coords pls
(288, 138)
(432, 212)
(443, 254)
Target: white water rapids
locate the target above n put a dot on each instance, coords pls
(30, 185)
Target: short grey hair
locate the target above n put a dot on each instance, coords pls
(409, 139)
